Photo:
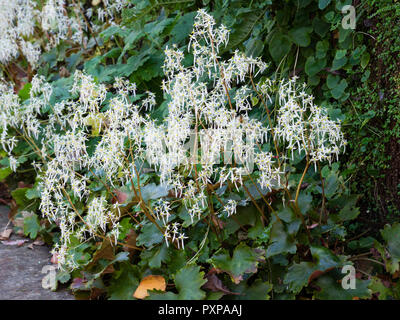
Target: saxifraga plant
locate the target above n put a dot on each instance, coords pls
(99, 150)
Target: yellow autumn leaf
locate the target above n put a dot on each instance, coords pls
(149, 283)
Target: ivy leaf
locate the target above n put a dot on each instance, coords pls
(313, 66)
(301, 36)
(365, 59)
(279, 46)
(244, 260)
(320, 26)
(322, 4)
(338, 63)
(188, 281)
(321, 49)
(338, 90)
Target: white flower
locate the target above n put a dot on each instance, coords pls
(230, 207)
(13, 163)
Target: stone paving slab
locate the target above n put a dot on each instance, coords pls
(21, 269)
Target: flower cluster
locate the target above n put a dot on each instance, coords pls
(58, 19)
(209, 109)
(305, 126)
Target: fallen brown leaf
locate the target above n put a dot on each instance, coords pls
(130, 240)
(5, 235)
(13, 209)
(14, 242)
(215, 284)
(19, 222)
(38, 242)
(121, 197)
(22, 184)
(149, 283)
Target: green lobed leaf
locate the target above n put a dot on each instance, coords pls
(124, 282)
(331, 289)
(300, 274)
(188, 281)
(280, 240)
(149, 236)
(244, 260)
(31, 226)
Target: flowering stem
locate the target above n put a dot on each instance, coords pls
(269, 119)
(254, 201)
(89, 228)
(323, 209)
(300, 183)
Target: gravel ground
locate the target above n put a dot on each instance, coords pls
(21, 269)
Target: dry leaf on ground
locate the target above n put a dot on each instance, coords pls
(38, 242)
(149, 283)
(5, 235)
(14, 242)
